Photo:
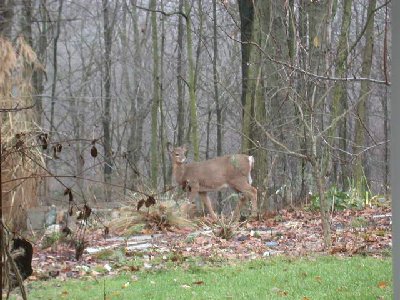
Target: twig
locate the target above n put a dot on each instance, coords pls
(17, 108)
(164, 13)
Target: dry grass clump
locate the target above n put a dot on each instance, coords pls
(225, 228)
(20, 156)
(159, 217)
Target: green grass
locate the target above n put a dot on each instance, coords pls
(276, 278)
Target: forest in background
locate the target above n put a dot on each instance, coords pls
(301, 85)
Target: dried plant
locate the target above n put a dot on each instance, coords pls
(156, 217)
(20, 154)
(225, 228)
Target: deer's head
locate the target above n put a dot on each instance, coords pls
(178, 154)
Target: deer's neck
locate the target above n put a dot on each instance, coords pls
(178, 173)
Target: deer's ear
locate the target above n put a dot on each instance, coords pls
(169, 147)
(184, 147)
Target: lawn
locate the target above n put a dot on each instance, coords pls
(323, 277)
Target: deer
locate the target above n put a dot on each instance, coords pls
(199, 178)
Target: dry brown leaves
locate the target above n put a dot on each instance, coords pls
(293, 233)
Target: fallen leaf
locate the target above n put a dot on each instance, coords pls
(316, 42)
(282, 293)
(185, 286)
(382, 285)
(33, 278)
(134, 268)
(198, 282)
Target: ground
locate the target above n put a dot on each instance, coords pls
(289, 233)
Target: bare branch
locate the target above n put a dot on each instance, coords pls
(16, 108)
(164, 13)
(316, 76)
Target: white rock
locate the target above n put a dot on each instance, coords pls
(107, 267)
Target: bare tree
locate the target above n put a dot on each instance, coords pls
(108, 24)
(156, 96)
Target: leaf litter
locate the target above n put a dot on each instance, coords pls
(290, 233)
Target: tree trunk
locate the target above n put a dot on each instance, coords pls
(254, 117)
(315, 20)
(324, 208)
(106, 121)
(246, 11)
(385, 105)
(339, 101)
(162, 116)
(194, 136)
(55, 65)
(38, 75)
(192, 85)
(180, 86)
(26, 21)
(134, 144)
(361, 120)
(6, 18)
(215, 81)
(156, 97)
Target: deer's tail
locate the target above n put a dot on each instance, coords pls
(251, 164)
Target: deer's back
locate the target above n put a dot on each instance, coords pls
(219, 171)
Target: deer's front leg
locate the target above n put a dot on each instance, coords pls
(236, 213)
(254, 207)
(207, 202)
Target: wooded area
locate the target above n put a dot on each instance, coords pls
(301, 85)
(284, 102)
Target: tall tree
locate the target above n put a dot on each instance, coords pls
(179, 77)
(162, 115)
(218, 108)
(26, 21)
(215, 80)
(254, 84)
(39, 74)
(137, 112)
(26, 26)
(106, 120)
(246, 12)
(6, 17)
(385, 106)
(156, 96)
(194, 135)
(340, 96)
(55, 66)
(361, 120)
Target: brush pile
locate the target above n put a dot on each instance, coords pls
(158, 217)
(20, 156)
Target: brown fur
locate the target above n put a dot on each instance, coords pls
(212, 175)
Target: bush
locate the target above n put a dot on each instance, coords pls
(340, 200)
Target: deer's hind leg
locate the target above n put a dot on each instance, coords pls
(207, 202)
